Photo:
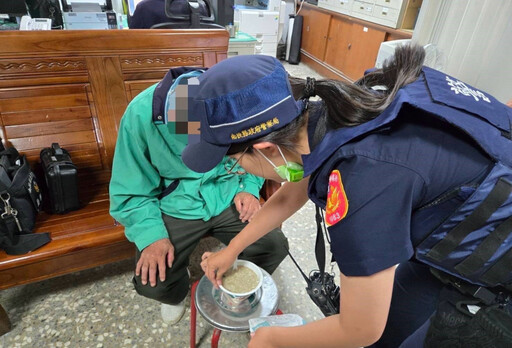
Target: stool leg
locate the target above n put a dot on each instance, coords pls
(5, 323)
(216, 337)
(193, 313)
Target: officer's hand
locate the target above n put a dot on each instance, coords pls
(247, 205)
(262, 338)
(156, 256)
(216, 264)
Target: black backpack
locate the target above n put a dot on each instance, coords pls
(20, 201)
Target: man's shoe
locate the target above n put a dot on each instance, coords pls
(172, 314)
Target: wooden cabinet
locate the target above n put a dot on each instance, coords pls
(362, 48)
(316, 26)
(339, 43)
(340, 46)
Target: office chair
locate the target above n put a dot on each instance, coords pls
(188, 14)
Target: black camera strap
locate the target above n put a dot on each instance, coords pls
(319, 249)
(308, 281)
(320, 130)
(320, 245)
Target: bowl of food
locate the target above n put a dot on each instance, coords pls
(241, 281)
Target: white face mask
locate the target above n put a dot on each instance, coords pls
(290, 171)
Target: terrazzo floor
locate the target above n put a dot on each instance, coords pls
(100, 308)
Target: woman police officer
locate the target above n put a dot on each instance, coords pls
(413, 169)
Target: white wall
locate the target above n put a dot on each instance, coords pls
(475, 40)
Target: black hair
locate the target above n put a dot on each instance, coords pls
(348, 104)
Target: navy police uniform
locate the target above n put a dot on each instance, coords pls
(388, 183)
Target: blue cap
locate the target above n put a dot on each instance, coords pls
(238, 99)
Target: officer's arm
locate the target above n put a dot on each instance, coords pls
(364, 307)
(279, 207)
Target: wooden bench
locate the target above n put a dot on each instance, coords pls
(72, 87)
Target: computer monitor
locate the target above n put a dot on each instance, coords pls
(13, 8)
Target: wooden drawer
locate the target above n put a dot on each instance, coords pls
(385, 15)
(362, 8)
(343, 6)
(396, 4)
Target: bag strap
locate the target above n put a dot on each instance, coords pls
(319, 250)
(16, 241)
(10, 234)
(57, 150)
(20, 177)
(320, 244)
(26, 243)
(308, 281)
(11, 153)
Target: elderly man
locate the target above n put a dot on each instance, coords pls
(166, 208)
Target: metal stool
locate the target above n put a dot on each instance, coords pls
(205, 299)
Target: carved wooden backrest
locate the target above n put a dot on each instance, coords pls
(72, 87)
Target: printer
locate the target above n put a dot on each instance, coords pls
(263, 20)
(88, 14)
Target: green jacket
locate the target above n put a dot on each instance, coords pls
(147, 160)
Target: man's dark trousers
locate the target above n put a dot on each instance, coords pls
(267, 252)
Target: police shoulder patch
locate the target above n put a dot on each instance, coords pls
(337, 202)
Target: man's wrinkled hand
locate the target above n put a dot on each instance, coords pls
(247, 205)
(155, 257)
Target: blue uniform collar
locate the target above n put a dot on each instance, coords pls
(162, 89)
(336, 138)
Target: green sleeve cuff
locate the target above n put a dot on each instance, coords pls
(251, 184)
(146, 237)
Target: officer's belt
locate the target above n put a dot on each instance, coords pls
(486, 295)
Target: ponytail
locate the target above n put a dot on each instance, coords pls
(353, 104)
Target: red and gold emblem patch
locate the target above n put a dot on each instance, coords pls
(337, 202)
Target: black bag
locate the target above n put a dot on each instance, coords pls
(20, 201)
(61, 179)
(454, 326)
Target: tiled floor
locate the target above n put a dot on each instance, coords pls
(99, 307)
